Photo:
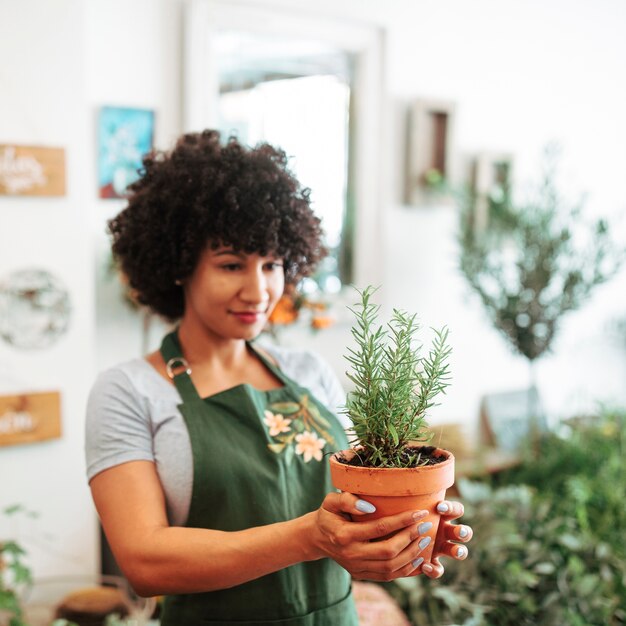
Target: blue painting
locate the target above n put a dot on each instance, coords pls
(124, 137)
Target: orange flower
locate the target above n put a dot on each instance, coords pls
(315, 306)
(284, 312)
(322, 321)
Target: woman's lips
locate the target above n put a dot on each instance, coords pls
(248, 317)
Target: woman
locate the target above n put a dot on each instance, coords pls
(196, 500)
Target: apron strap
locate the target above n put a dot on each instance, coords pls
(179, 371)
(272, 367)
(177, 367)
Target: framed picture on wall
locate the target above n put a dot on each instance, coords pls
(125, 135)
(430, 148)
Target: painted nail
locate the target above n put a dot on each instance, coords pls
(419, 515)
(461, 552)
(423, 542)
(463, 531)
(442, 507)
(424, 527)
(365, 507)
(417, 562)
(427, 567)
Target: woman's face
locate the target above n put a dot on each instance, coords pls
(232, 293)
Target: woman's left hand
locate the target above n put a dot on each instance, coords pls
(448, 538)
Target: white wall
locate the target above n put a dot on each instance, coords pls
(522, 73)
(42, 103)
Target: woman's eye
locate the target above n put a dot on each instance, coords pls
(231, 267)
(273, 266)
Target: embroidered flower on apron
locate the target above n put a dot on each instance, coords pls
(299, 429)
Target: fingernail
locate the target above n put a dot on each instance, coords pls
(463, 531)
(365, 507)
(442, 507)
(461, 551)
(424, 527)
(417, 562)
(419, 515)
(423, 542)
(427, 567)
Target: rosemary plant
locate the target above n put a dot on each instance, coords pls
(394, 385)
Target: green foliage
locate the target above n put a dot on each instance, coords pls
(14, 573)
(394, 384)
(548, 546)
(533, 261)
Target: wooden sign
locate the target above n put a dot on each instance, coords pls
(32, 171)
(31, 417)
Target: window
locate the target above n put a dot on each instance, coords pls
(313, 87)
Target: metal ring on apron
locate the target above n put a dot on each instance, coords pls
(177, 363)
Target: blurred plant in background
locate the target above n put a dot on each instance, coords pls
(15, 574)
(549, 544)
(533, 261)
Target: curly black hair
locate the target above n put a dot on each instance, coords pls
(205, 193)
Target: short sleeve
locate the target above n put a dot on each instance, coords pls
(118, 427)
(335, 393)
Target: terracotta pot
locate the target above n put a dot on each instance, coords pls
(397, 490)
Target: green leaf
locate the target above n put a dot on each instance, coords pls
(317, 416)
(13, 548)
(21, 573)
(394, 433)
(286, 408)
(13, 508)
(571, 542)
(9, 601)
(544, 568)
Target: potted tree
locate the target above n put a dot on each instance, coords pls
(390, 463)
(532, 262)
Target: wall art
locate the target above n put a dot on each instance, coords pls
(124, 137)
(430, 148)
(31, 417)
(31, 171)
(34, 309)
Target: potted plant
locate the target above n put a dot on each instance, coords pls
(390, 464)
(533, 261)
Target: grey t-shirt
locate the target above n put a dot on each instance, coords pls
(132, 415)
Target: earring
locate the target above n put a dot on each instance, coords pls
(178, 282)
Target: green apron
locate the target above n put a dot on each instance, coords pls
(259, 457)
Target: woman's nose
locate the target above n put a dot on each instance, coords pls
(255, 288)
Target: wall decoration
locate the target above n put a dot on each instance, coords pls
(31, 417)
(34, 309)
(124, 137)
(491, 179)
(31, 171)
(429, 163)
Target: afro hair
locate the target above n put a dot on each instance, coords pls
(205, 193)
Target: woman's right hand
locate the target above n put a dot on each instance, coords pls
(394, 555)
